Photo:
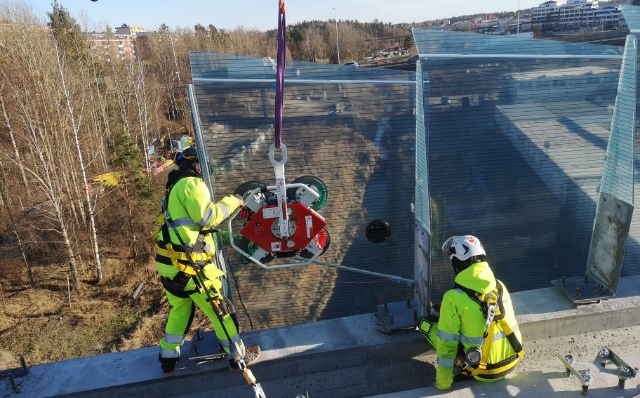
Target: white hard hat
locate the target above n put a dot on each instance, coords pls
(463, 247)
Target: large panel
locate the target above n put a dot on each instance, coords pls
(352, 127)
(615, 208)
(422, 270)
(440, 43)
(517, 138)
(618, 173)
(631, 16)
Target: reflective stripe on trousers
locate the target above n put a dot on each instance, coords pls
(170, 345)
(446, 361)
(173, 338)
(169, 353)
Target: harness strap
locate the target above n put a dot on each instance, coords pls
(176, 285)
(486, 347)
(497, 370)
(498, 319)
(177, 253)
(501, 313)
(174, 254)
(512, 338)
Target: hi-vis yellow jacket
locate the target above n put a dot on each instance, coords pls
(190, 208)
(462, 321)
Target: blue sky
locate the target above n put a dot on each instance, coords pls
(262, 14)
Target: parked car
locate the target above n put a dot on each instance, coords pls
(413, 58)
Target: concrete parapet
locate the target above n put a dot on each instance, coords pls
(342, 357)
(546, 313)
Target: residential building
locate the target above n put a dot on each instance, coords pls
(609, 17)
(546, 13)
(132, 31)
(112, 46)
(574, 14)
(577, 13)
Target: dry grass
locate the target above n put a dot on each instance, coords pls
(39, 323)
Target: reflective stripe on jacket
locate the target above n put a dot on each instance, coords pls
(190, 208)
(463, 321)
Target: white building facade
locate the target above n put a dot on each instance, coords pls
(556, 15)
(132, 31)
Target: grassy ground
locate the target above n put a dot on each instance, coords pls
(43, 325)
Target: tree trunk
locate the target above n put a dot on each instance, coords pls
(7, 203)
(16, 153)
(134, 238)
(122, 101)
(137, 80)
(75, 129)
(73, 268)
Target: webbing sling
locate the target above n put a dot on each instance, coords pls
(501, 368)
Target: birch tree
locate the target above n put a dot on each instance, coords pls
(76, 122)
(33, 95)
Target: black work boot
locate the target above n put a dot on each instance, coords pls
(168, 364)
(251, 355)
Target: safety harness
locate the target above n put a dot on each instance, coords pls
(475, 361)
(176, 255)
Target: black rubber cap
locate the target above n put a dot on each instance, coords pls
(378, 231)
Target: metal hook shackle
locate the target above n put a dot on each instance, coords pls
(272, 159)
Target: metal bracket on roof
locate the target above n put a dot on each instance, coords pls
(586, 372)
(583, 290)
(396, 316)
(208, 351)
(623, 370)
(606, 252)
(583, 375)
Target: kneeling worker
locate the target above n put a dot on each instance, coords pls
(184, 242)
(476, 334)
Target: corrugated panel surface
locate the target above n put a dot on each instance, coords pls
(631, 16)
(355, 129)
(517, 141)
(441, 42)
(423, 212)
(618, 173)
(422, 279)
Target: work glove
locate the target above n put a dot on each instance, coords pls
(212, 275)
(213, 286)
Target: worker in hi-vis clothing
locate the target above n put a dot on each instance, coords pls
(187, 219)
(476, 334)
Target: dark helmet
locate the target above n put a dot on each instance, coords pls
(187, 158)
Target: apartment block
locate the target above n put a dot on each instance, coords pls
(132, 31)
(113, 46)
(556, 15)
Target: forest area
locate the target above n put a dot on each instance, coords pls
(79, 191)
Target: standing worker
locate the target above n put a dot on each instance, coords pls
(184, 241)
(476, 334)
